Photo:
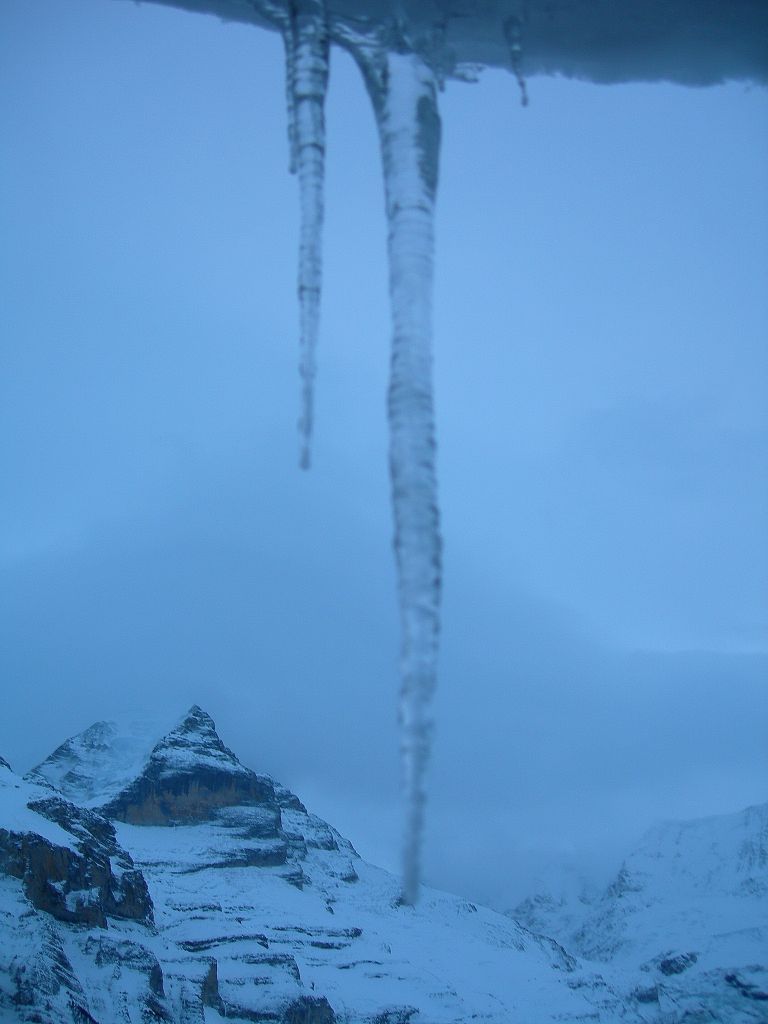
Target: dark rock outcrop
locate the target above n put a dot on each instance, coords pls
(209, 991)
(670, 965)
(398, 1015)
(79, 886)
(123, 891)
(82, 882)
(183, 798)
(309, 1010)
(288, 800)
(748, 989)
(188, 777)
(56, 879)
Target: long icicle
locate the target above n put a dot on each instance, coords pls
(307, 50)
(404, 94)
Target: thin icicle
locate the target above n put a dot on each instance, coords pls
(290, 99)
(513, 30)
(404, 94)
(307, 47)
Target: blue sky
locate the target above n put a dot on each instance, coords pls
(600, 340)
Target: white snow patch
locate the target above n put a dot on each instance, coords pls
(15, 816)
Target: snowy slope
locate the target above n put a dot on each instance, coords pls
(685, 882)
(100, 760)
(259, 911)
(15, 815)
(685, 920)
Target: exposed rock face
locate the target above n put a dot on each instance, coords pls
(401, 1015)
(184, 798)
(190, 775)
(55, 878)
(84, 877)
(209, 991)
(65, 880)
(309, 1010)
(122, 888)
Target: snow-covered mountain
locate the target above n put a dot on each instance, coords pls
(166, 881)
(685, 920)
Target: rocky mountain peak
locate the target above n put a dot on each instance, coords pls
(182, 777)
(198, 720)
(188, 777)
(195, 742)
(4, 764)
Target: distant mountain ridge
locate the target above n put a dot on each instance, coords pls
(686, 915)
(163, 880)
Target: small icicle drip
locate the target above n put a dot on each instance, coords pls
(513, 30)
(404, 94)
(307, 49)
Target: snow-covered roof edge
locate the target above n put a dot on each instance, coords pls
(690, 42)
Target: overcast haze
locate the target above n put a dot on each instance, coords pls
(601, 316)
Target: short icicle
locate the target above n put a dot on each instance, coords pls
(403, 89)
(307, 49)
